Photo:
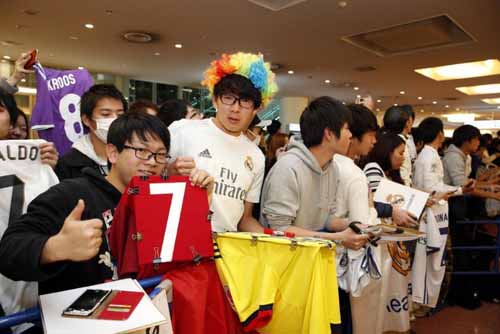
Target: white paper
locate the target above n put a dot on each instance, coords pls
(409, 199)
(52, 305)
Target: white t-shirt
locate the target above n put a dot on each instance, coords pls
(22, 178)
(429, 173)
(406, 167)
(236, 164)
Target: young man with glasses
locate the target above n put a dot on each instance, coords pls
(241, 85)
(60, 241)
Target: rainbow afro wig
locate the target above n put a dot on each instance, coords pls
(249, 65)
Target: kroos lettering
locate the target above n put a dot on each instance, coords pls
(61, 82)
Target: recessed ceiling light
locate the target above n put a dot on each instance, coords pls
(395, 104)
(460, 118)
(356, 88)
(327, 81)
(421, 110)
(446, 106)
(479, 90)
(402, 92)
(358, 96)
(343, 102)
(89, 26)
(462, 71)
(420, 97)
(23, 80)
(379, 100)
(434, 102)
(178, 46)
(290, 72)
(378, 109)
(492, 101)
(80, 67)
(6, 57)
(156, 53)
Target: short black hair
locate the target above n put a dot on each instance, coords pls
(322, 113)
(430, 128)
(409, 110)
(417, 135)
(395, 119)
(464, 134)
(142, 125)
(240, 86)
(97, 92)
(143, 106)
(363, 120)
(173, 110)
(9, 103)
(387, 143)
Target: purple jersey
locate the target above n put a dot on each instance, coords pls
(56, 115)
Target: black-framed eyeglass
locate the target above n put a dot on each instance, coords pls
(145, 154)
(230, 100)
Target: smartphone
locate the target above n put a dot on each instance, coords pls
(87, 303)
(32, 60)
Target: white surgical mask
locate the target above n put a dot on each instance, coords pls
(102, 128)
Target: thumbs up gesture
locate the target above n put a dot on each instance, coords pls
(83, 238)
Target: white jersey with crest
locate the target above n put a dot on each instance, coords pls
(429, 264)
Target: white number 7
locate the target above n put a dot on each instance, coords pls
(177, 189)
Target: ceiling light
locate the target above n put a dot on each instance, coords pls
(379, 100)
(434, 102)
(358, 96)
(460, 118)
(4, 61)
(89, 26)
(462, 71)
(402, 92)
(492, 101)
(483, 125)
(378, 109)
(420, 97)
(74, 38)
(23, 80)
(421, 110)
(457, 109)
(479, 90)
(178, 46)
(290, 72)
(356, 88)
(395, 104)
(80, 67)
(156, 53)
(327, 81)
(446, 106)
(27, 90)
(343, 102)
(6, 57)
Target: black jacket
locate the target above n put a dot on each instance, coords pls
(71, 164)
(23, 241)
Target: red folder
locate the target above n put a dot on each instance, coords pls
(121, 306)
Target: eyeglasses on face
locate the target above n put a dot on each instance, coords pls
(145, 154)
(244, 102)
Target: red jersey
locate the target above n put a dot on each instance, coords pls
(160, 220)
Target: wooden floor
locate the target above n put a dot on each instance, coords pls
(457, 320)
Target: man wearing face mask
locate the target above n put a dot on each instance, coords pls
(99, 107)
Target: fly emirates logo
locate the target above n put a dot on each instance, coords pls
(226, 185)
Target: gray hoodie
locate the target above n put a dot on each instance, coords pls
(457, 166)
(298, 192)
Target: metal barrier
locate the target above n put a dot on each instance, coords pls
(495, 248)
(33, 314)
